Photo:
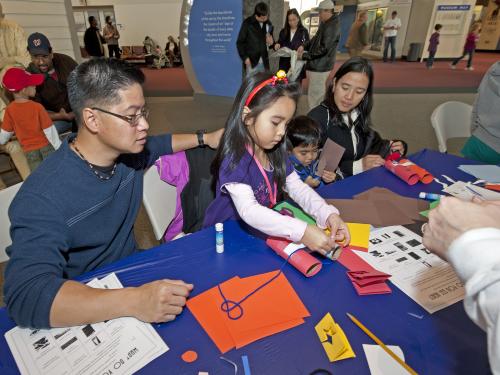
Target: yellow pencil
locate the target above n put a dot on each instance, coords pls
(382, 345)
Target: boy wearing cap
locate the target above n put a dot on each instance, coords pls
(28, 119)
(53, 92)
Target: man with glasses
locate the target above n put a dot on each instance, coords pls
(76, 212)
(52, 93)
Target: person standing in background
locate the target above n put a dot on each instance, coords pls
(433, 45)
(254, 38)
(391, 28)
(93, 39)
(111, 35)
(292, 36)
(469, 47)
(320, 52)
(357, 40)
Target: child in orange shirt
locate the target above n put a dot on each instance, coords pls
(27, 119)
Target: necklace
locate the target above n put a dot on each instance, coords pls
(96, 172)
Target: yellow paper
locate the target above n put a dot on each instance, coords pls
(333, 339)
(360, 234)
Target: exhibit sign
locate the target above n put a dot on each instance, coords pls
(452, 17)
(490, 31)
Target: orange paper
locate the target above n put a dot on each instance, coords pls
(272, 309)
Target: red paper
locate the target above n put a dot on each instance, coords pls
(403, 172)
(301, 259)
(423, 175)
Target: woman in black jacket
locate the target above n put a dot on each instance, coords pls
(293, 35)
(344, 117)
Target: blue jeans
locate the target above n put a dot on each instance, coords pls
(430, 59)
(392, 41)
(63, 126)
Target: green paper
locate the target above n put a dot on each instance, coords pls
(297, 212)
(433, 204)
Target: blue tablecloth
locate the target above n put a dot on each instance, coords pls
(446, 342)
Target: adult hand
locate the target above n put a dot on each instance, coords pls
(397, 146)
(372, 161)
(328, 176)
(66, 116)
(277, 46)
(248, 63)
(453, 217)
(161, 301)
(317, 240)
(339, 230)
(269, 39)
(212, 139)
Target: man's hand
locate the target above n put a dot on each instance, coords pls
(317, 240)
(212, 139)
(277, 46)
(65, 115)
(372, 161)
(161, 301)
(453, 217)
(269, 39)
(328, 176)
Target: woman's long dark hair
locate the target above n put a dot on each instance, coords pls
(236, 135)
(287, 25)
(355, 65)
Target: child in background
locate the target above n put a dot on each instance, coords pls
(469, 47)
(433, 45)
(253, 169)
(27, 119)
(304, 136)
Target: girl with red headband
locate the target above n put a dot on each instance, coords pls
(253, 170)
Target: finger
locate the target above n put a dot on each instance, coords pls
(178, 290)
(177, 301)
(334, 227)
(172, 310)
(477, 199)
(168, 318)
(347, 235)
(177, 282)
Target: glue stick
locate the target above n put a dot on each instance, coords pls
(219, 237)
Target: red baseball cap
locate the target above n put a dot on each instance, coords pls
(16, 79)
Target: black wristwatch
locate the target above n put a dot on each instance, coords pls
(199, 134)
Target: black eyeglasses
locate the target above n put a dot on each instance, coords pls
(133, 120)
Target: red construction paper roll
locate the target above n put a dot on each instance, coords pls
(423, 175)
(301, 259)
(403, 172)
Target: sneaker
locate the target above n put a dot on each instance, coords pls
(430, 67)
(469, 68)
(453, 66)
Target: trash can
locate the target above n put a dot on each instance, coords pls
(415, 51)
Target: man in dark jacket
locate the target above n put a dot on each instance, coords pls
(93, 39)
(254, 38)
(320, 52)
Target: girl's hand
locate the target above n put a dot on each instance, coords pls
(312, 182)
(339, 230)
(397, 146)
(277, 46)
(317, 240)
(328, 176)
(372, 161)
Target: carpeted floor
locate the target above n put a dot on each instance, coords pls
(399, 77)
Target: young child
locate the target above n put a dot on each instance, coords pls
(27, 119)
(253, 169)
(433, 45)
(304, 136)
(469, 47)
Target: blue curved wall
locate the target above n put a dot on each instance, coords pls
(213, 30)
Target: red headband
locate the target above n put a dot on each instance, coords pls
(280, 76)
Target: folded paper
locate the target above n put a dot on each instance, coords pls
(333, 339)
(300, 258)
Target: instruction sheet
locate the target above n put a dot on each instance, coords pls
(119, 346)
(423, 276)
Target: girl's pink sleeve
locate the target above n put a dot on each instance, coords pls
(262, 218)
(309, 200)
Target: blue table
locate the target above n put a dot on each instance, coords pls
(446, 342)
